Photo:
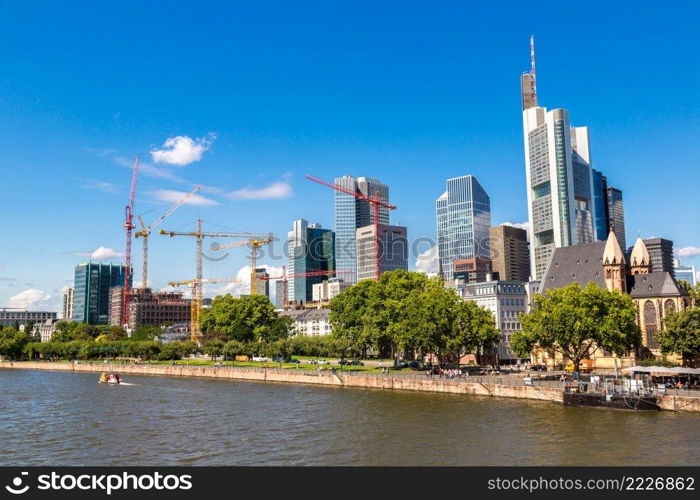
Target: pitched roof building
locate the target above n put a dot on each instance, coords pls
(655, 294)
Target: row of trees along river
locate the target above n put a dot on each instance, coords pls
(404, 314)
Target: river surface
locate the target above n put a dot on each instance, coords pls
(55, 418)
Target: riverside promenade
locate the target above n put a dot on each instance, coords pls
(508, 386)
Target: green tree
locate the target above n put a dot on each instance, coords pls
(214, 348)
(146, 332)
(242, 318)
(681, 334)
(234, 348)
(12, 342)
(576, 322)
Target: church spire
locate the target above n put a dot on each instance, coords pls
(614, 267)
(640, 262)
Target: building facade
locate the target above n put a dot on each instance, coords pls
(311, 322)
(329, 289)
(685, 273)
(463, 216)
(510, 254)
(507, 300)
(262, 286)
(559, 177)
(11, 316)
(67, 311)
(616, 215)
(471, 270)
(147, 307)
(661, 254)
(393, 250)
(91, 299)
(310, 248)
(352, 213)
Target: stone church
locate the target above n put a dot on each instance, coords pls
(655, 293)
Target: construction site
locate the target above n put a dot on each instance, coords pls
(134, 306)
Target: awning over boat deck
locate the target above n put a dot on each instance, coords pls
(676, 370)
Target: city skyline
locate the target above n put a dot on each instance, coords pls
(410, 128)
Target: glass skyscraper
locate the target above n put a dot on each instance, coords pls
(310, 248)
(91, 291)
(463, 214)
(351, 214)
(561, 195)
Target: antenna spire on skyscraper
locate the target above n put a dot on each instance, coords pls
(533, 80)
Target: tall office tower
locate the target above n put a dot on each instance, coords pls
(609, 209)
(67, 314)
(463, 214)
(616, 215)
(561, 208)
(91, 291)
(393, 250)
(600, 202)
(352, 213)
(279, 294)
(510, 256)
(661, 255)
(262, 286)
(310, 248)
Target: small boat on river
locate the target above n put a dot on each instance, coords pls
(110, 378)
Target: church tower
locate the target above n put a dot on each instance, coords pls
(614, 266)
(640, 263)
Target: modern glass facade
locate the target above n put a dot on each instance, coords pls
(311, 248)
(463, 215)
(600, 200)
(91, 291)
(686, 273)
(616, 214)
(352, 213)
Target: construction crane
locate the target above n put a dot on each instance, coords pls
(196, 302)
(254, 244)
(145, 232)
(309, 274)
(372, 200)
(128, 227)
(199, 235)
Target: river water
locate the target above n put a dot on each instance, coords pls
(55, 418)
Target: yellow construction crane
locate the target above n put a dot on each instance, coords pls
(196, 302)
(196, 283)
(145, 232)
(254, 244)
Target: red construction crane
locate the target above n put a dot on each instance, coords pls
(128, 226)
(309, 274)
(375, 202)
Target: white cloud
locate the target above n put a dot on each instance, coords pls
(428, 261)
(689, 252)
(279, 190)
(30, 298)
(172, 196)
(149, 170)
(105, 187)
(182, 150)
(100, 253)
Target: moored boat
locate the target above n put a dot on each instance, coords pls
(110, 378)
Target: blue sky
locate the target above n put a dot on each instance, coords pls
(409, 92)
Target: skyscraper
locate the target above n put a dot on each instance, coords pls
(684, 273)
(661, 255)
(510, 256)
(616, 215)
(67, 314)
(609, 209)
(393, 250)
(352, 213)
(561, 207)
(262, 286)
(310, 248)
(91, 291)
(463, 214)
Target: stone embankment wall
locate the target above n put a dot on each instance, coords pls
(338, 379)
